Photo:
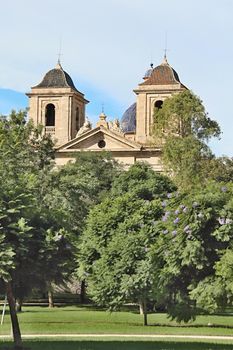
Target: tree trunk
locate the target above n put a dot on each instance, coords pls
(14, 319)
(83, 292)
(19, 304)
(50, 297)
(143, 311)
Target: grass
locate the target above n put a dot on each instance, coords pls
(122, 345)
(88, 320)
(36, 320)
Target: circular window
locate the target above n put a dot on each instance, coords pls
(101, 144)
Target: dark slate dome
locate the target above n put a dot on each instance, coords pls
(128, 120)
(56, 78)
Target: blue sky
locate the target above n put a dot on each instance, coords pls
(107, 45)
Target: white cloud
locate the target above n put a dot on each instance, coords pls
(108, 44)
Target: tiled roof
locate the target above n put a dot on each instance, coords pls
(56, 78)
(162, 75)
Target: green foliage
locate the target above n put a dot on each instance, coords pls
(124, 270)
(82, 184)
(25, 158)
(6, 258)
(224, 269)
(183, 126)
(42, 210)
(141, 180)
(183, 114)
(197, 230)
(188, 158)
(115, 251)
(217, 291)
(209, 294)
(26, 218)
(219, 169)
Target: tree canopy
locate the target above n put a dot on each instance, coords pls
(29, 235)
(163, 246)
(115, 252)
(183, 128)
(197, 243)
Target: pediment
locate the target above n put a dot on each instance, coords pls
(100, 138)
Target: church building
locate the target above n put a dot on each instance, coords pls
(56, 104)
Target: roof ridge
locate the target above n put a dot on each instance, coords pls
(64, 74)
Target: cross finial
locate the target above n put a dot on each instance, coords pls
(165, 50)
(102, 109)
(59, 54)
(165, 57)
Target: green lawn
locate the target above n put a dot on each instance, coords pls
(87, 320)
(121, 345)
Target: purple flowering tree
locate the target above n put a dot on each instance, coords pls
(199, 232)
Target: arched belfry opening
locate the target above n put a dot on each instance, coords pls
(50, 115)
(158, 104)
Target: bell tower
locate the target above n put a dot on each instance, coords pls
(56, 104)
(159, 83)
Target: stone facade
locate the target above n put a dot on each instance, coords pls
(60, 108)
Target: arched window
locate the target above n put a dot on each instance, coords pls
(77, 120)
(158, 104)
(50, 115)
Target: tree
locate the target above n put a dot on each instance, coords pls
(141, 180)
(82, 185)
(197, 233)
(216, 291)
(124, 271)
(115, 252)
(219, 169)
(16, 179)
(183, 127)
(17, 249)
(25, 165)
